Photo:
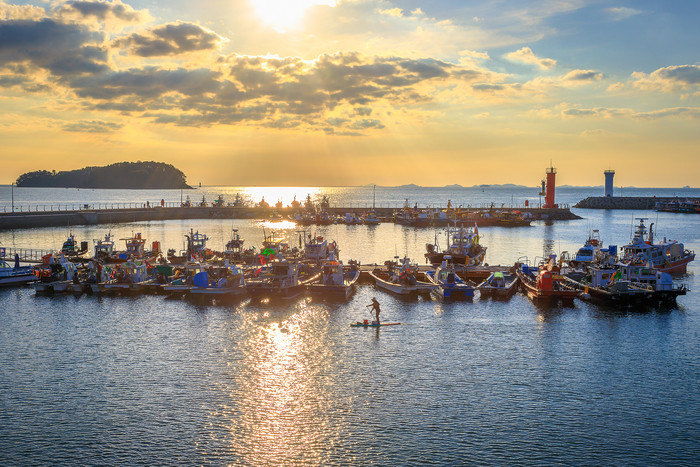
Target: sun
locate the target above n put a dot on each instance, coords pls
(283, 15)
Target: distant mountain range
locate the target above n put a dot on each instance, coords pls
(122, 175)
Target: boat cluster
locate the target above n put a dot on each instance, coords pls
(641, 273)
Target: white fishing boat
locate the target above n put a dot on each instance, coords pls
(399, 277)
(336, 280)
(279, 279)
(55, 275)
(128, 277)
(667, 256)
(463, 247)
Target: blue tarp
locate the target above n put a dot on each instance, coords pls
(201, 279)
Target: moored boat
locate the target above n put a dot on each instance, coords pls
(399, 277)
(279, 279)
(336, 280)
(545, 282)
(668, 256)
(463, 247)
(15, 275)
(448, 284)
(227, 280)
(499, 284)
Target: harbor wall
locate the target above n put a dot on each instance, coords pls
(620, 202)
(27, 220)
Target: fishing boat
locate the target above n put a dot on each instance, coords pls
(227, 280)
(544, 282)
(182, 279)
(668, 256)
(195, 249)
(55, 275)
(279, 279)
(234, 247)
(499, 284)
(370, 218)
(589, 253)
(104, 248)
(463, 247)
(399, 277)
(412, 217)
(128, 277)
(70, 247)
(15, 275)
(448, 285)
(336, 280)
(628, 284)
(135, 249)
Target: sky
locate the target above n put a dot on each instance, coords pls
(353, 92)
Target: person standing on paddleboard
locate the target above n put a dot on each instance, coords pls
(375, 308)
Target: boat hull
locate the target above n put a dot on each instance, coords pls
(402, 289)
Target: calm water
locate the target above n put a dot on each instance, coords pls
(151, 380)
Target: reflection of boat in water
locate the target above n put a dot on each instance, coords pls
(667, 256)
(463, 248)
(499, 284)
(335, 280)
(400, 278)
(545, 281)
(448, 284)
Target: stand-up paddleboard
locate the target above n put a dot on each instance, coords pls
(372, 325)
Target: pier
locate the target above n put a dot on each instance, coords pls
(88, 215)
(620, 202)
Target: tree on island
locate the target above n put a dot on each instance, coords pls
(122, 175)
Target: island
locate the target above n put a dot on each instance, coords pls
(122, 175)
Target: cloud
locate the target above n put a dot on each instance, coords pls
(582, 75)
(620, 13)
(103, 11)
(669, 79)
(602, 112)
(14, 12)
(63, 49)
(397, 12)
(92, 126)
(525, 55)
(171, 39)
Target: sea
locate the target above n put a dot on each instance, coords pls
(152, 380)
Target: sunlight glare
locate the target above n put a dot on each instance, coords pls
(285, 14)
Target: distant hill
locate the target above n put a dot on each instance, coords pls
(122, 175)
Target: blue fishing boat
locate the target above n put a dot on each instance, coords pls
(449, 284)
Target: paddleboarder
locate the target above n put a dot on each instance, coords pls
(375, 308)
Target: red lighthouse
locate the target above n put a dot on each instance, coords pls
(551, 184)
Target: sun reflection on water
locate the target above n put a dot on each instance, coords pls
(280, 399)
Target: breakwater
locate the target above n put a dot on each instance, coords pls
(33, 219)
(621, 202)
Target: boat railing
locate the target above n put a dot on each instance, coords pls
(26, 255)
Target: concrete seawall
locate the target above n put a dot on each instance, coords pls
(25, 220)
(619, 202)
